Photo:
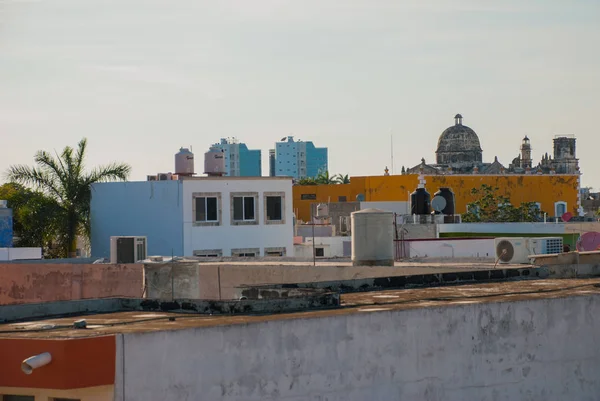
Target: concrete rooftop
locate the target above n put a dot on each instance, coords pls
(366, 302)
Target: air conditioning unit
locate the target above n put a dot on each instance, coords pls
(512, 250)
(545, 245)
(128, 249)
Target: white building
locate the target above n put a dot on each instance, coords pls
(199, 216)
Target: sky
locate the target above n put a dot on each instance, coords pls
(141, 78)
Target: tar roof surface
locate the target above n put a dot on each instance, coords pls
(366, 302)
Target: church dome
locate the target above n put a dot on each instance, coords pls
(458, 145)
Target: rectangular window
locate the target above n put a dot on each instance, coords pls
(243, 208)
(274, 212)
(341, 199)
(206, 209)
(208, 253)
(18, 398)
(245, 253)
(319, 252)
(308, 197)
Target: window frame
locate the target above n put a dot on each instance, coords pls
(244, 252)
(243, 195)
(206, 223)
(283, 210)
(556, 205)
(208, 253)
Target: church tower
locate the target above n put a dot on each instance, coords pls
(526, 161)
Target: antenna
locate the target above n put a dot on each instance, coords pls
(392, 150)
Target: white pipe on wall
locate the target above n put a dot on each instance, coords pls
(35, 362)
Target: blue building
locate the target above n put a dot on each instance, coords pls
(298, 159)
(239, 160)
(6, 226)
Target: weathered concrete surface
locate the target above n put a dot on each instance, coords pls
(221, 280)
(27, 283)
(302, 300)
(535, 349)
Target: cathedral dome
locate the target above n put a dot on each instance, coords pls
(458, 145)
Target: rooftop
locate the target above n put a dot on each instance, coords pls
(362, 302)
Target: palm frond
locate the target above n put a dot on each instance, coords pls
(80, 155)
(35, 177)
(109, 172)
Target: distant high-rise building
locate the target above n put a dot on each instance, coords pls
(239, 160)
(272, 168)
(298, 159)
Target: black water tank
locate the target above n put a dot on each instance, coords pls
(420, 201)
(448, 195)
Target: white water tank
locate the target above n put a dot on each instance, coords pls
(372, 238)
(184, 162)
(214, 162)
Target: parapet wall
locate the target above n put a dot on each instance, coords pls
(36, 282)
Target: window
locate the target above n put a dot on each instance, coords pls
(243, 208)
(277, 251)
(65, 399)
(341, 199)
(319, 252)
(274, 207)
(560, 208)
(245, 252)
(208, 253)
(308, 197)
(206, 209)
(18, 398)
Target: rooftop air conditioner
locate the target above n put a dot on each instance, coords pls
(512, 250)
(545, 245)
(128, 249)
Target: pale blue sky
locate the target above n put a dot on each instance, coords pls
(140, 78)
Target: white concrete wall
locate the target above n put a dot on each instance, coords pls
(460, 248)
(226, 236)
(503, 228)
(20, 254)
(335, 245)
(543, 349)
(396, 207)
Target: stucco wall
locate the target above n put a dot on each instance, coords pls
(150, 208)
(27, 283)
(447, 248)
(545, 189)
(528, 350)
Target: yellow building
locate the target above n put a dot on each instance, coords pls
(554, 193)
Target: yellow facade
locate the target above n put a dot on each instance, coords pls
(544, 189)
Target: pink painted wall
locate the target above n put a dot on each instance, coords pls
(42, 282)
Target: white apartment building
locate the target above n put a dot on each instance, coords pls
(197, 216)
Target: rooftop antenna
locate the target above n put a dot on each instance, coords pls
(392, 150)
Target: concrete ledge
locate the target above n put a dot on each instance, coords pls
(317, 300)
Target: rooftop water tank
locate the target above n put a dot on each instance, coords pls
(448, 196)
(420, 201)
(184, 162)
(372, 238)
(214, 162)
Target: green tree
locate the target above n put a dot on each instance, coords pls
(341, 179)
(306, 181)
(36, 218)
(64, 180)
(491, 207)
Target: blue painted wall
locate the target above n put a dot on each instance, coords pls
(6, 228)
(250, 162)
(149, 208)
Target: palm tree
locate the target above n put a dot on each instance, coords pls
(64, 179)
(324, 178)
(341, 179)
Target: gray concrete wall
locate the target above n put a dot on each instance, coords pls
(543, 349)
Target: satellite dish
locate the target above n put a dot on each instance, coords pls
(566, 217)
(589, 242)
(505, 251)
(438, 203)
(360, 198)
